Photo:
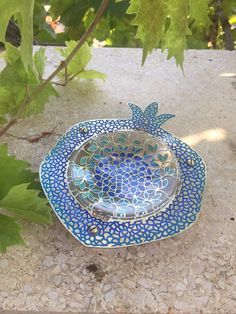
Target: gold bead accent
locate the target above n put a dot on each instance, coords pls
(190, 162)
(94, 230)
(83, 130)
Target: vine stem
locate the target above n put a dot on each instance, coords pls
(62, 65)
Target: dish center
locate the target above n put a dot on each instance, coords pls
(123, 175)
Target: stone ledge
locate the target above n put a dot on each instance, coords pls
(193, 272)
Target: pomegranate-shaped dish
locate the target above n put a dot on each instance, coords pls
(124, 182)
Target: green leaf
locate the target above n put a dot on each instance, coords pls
(198, 10)
(77, 65)
(13, 88)
(18, 198)
(23, 13)
(175, 37)
(9, 233)
(5, 98)
(91, 74)
(81, 59)
(13, 78)
(39, 101)
(12, 172)
(3, 120)
(150, 18)
(39, 61)
(26, 204)
(164, 23)
(15, 81)
(11, 54)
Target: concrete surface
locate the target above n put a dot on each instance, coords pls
(194, 272)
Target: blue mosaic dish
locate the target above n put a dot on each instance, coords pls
(123, 182)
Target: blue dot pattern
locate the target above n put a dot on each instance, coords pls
(177, 217)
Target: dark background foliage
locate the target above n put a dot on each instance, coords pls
(115, 28)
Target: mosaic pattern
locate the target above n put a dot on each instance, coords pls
(123, 175)
(148, 120)
(177, 216)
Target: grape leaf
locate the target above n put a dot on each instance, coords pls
(91, 74)
(12, 77)
(5, 96)
(198, 10)
(82, 58)
(18, 198)
(80, 61)
(23, 13)
(15, 81)
(12, 172)
(150, 19)
(175, 37)
(39, 101)
(164, 24)
(26, 204)
(11, 54)
(9, 233)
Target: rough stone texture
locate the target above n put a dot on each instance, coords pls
(194, 272)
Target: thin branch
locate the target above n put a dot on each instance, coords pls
(34, 138)
(61, 66)
(8, 126)
(229, 41)
(66, 79)
(71, 78)
(58, 83)
(219, 16)
(66, 76)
